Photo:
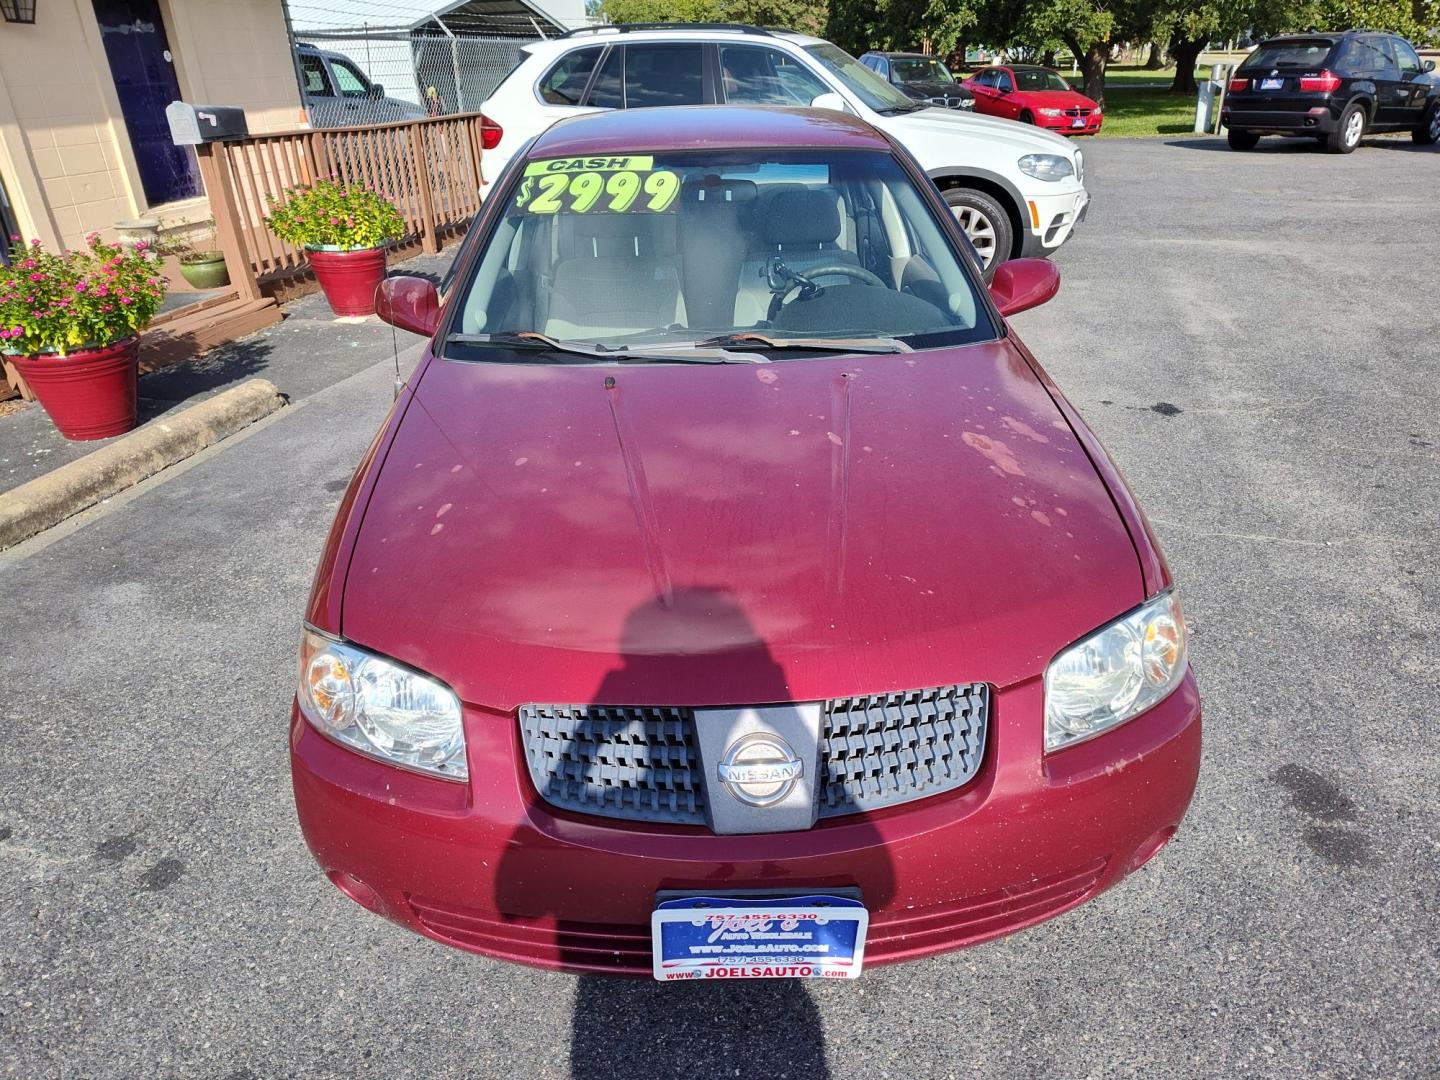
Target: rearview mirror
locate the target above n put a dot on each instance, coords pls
(831, 101)
(1022, 284)
(411, 303)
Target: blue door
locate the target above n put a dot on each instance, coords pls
(139, 56)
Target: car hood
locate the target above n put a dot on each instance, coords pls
(937, 89)
(805, 529)
(938, 123)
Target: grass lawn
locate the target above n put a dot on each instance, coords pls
(1138, 102)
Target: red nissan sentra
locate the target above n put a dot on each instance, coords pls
(730, 593)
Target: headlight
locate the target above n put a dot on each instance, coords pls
(380, 708)
(1116, 673)
(1097, 110)
(1046, 166)
(1052, 112)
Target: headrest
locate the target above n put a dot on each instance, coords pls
(601, 234)
(711, 190)
(802, 216)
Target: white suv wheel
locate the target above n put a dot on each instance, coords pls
(980, 229)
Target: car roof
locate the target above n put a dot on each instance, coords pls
(1027, 67)
(695, 127)
(612, 35)
(1287, 39)
(902, 55)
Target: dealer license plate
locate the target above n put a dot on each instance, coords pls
(803, 937)
(1272, 84)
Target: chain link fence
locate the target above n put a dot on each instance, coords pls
(362, 62)
(378, 77)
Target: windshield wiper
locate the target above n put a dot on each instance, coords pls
(749, 340)
(535, 341)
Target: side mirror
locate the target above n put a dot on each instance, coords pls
(1022, 284)
(377, 91)
(1429, 65)
(411, 303)
(831, 101)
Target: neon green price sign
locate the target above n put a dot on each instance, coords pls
(610, 184)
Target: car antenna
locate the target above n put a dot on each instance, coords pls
(395, 349)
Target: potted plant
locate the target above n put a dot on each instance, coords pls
(71, 324)
(200, 264)
(344, 228)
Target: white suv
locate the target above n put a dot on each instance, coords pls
(1016, 190)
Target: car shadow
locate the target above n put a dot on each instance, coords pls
(696, 638)
(1300, 144)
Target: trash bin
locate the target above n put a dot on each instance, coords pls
(1207, 102)
(1207, 107)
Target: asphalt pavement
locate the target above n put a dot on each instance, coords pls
(1254, 338)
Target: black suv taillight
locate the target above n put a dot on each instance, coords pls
(1327, 82)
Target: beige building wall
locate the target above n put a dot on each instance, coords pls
(237, 52)
(64, 150)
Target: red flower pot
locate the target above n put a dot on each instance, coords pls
(349, 278)
(89, 394)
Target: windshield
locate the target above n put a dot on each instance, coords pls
(670, 250)
(919, 71)
(1032, 79)
(860, 80)
(1288, 54)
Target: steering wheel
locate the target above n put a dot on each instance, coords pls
(859, 273)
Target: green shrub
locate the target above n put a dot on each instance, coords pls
(330, 214)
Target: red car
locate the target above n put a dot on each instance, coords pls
(730, 593)
(1034, 95)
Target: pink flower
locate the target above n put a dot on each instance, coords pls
(35, 243)
(28, 264)
(350, 221)
(126, 300)
(15, 237)
(102, 291)
(334, 221)
(80, 286)
(37, 276)
(142, 245)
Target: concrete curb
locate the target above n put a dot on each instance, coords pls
(48, 500)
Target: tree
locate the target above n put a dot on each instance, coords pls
(792, 14)
(933, 26)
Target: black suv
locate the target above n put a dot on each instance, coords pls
(921, 77)
(1335, 87)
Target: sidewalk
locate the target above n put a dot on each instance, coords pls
(304, 354)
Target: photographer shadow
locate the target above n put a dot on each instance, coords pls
(699, 645)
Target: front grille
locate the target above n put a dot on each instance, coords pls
(879, 751)
(639, 764)
(949, 102)
(642, 764)
(1077, 112)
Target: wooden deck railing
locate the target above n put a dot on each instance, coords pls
(429, 168)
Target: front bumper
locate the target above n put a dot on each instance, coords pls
(1064, 125)
(1051, 221)
(489, 868)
